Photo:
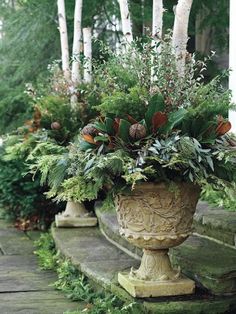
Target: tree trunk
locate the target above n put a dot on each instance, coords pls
(180, 33)
(75, 75)
(63, 38)
(232, 61)
(157, 23)
(126, 21)
(203, 37)
(87, 35)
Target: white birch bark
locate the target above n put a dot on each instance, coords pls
(63, 38)
(157, 24)
(180, 33)
(143, 17)
(126, 20)
(87, 36)
(75, 74)
(232, 61)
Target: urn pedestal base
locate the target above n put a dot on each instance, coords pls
(147, 289)
(155, 277)
(63, 221)
(75, 215)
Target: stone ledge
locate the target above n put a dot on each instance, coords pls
(211, 265)
(100, 261)
(216, 223)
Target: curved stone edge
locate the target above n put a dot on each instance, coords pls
(97, 282)
(171, 305)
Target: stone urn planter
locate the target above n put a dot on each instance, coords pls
(156, 217)
(75, 215)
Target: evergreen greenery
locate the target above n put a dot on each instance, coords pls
(21, 198)
(183, 122)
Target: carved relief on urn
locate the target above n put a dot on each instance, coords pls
(156, 217)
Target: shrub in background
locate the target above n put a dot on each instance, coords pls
(21, 198)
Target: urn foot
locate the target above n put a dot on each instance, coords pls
(63, 221)
(75, 215)
(155, 277)
(147, 289)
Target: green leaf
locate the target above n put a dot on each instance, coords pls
(124, 130)
(210, 162)
(101, 138)
(100, 126)
(110, 126)
(85, 145)
(89, 164)
(174, 119)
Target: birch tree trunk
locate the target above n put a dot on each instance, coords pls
(180, 33)
(232, 61)
(126, 20)
(87, 36)
(75, 74)
(63, 38)
(157, 24)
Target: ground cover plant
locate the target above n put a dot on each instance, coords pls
(75, 285)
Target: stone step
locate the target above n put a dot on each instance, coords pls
(210, 264)
(216, 223)
(101, 261)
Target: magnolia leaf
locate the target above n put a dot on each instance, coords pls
(156, 104)
(174, 119)
(101, 138)
(131, 119)
(223, 128)
(109, 126)
(85, 145)
(124, 130)
(158, 120)
(116, 125)
(88, 138)
(100, 126)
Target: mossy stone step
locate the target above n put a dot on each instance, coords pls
(100, 261)
(210, 264)
(216, 223)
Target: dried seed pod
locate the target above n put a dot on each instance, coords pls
(55, 125)
(89, 130)
(137, 131)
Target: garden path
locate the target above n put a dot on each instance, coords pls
(24, 288)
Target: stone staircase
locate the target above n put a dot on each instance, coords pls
(208, 257)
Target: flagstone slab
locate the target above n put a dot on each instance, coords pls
(16, 245)
(24, 288)
(39, 302)
(15, 276)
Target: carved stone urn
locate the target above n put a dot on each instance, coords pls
(156, 217)
(75, 215)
